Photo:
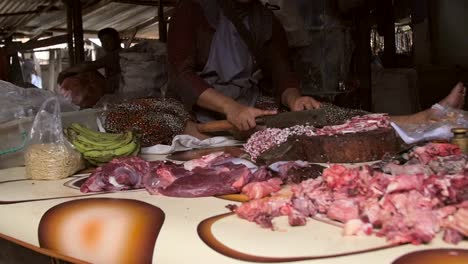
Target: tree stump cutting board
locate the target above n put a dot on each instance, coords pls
(345, 148)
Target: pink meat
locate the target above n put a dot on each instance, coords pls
(207, 182)
(372, 212)
(338, 176)
(257, 190)
(432, 150)
(117, 175)
(452, 236)
(205, 161)
(343, 210)
(262, 211)
(356, 227)
(405, 182)
(395, 169)
(163, 175)
(406, 203)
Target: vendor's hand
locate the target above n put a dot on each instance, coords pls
(293, 99)
(303, 103)
(243, 117)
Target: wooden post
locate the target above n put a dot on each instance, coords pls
(59, 61)
(162, 23)
(78, 32)
(363, 56)
(52, 79)
(389, 56)
(71, 52)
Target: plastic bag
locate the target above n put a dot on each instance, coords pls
(49, 155)
(442, 120)
(14, 99)
(143, 69)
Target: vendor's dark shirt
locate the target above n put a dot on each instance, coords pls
(189, 42)
(111, 62)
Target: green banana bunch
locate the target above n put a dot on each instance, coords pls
(84, 144)
(92, 134)
(104, 156)
(99, 148)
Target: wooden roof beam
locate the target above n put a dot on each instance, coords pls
(30, 45)
(147, 3)
(130, 31)
(26, 18)
(61, 19)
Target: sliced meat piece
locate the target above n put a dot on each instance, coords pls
(452, 236)
(343, 210)
(405, 182)
(372, 212)
(453, 164)
(338, 176)
(459, 222)
(262, 211)
(428, 152)
(257, 190)
(207, 182)
(356, 227)
(408, 169)
(119, 174)
(205, 161)
(164, 174)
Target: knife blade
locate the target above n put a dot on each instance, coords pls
(326, 115)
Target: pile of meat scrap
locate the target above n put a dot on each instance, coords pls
(406, 200)
(211, 175)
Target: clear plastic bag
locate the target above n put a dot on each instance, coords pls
(439, 126)
(14, 99)
(49, 155)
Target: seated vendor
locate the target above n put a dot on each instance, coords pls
(110, 40)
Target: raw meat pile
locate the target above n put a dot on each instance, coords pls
(407, 201)
(263, 140)
(214, 174)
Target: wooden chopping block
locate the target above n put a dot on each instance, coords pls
(346, 148)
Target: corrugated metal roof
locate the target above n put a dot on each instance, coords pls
(9, 6)
(99, 14)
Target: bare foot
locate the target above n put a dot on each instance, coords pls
(456, 98)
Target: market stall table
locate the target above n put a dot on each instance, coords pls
(56, 219)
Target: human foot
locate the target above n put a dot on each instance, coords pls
(456, 98)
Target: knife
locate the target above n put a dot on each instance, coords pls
(326, 115)
(198, 153)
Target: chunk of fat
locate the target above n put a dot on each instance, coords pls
(356, 227)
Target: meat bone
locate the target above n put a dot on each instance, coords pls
(313, 117)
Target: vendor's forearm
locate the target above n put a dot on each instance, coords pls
(215, 101)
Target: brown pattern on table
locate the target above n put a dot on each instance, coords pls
(435, 256)
(73, 179)
(204, 230)
(102, 230)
